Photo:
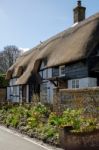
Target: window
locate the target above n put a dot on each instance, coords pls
(55, 71)
(75, 83)
(62, 70)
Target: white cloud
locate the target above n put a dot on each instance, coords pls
(24, 50)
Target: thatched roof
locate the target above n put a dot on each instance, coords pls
(71, 45)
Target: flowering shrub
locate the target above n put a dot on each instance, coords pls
(38, 121)
(75, 119)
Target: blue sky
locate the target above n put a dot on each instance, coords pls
(25, 23)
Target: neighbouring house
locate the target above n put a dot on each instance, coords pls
(69, 59)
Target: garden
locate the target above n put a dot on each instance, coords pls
(40, 122)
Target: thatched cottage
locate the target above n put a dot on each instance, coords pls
(69, 59)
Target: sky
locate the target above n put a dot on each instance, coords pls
(24, 23)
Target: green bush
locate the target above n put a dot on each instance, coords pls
(41, 109)
(12, 120)
(54, 119)
(34, 121)
(75, 119)
(72, 118)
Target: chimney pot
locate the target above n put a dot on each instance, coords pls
(79, 3)
(79, 12)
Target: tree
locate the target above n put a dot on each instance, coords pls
(3, 82)
(8, 57)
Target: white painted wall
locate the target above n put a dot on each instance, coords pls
(41, 74)
(49, 95)
(12, 81)
(8, 93)
(42, 66)
(49, 72)
(84, 82)
(20, 93)
(92, 82)
(45, 74)
(50, 87)
(13, 91)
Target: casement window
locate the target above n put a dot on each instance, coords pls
(55, 71)
(62, 70)
(75, 83)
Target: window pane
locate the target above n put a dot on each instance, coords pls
(77, 83)
(55, 72)
(73, 83)
(62, 70)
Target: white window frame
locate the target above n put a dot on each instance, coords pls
(60, 70)
(75, 83)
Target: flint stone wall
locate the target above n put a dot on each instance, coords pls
(77, 98)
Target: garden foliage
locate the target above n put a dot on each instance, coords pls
(38, 121)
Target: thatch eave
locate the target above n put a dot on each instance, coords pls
(69, 46)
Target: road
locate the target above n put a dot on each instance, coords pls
(10, 140)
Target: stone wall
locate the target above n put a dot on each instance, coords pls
(77, 98)
(2, 95)
(79, 141)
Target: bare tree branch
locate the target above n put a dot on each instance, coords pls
(8, 57)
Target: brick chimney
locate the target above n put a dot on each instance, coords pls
(79, 12)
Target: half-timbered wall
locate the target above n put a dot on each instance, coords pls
(14, 92)
(78, 70)
(46, 92)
